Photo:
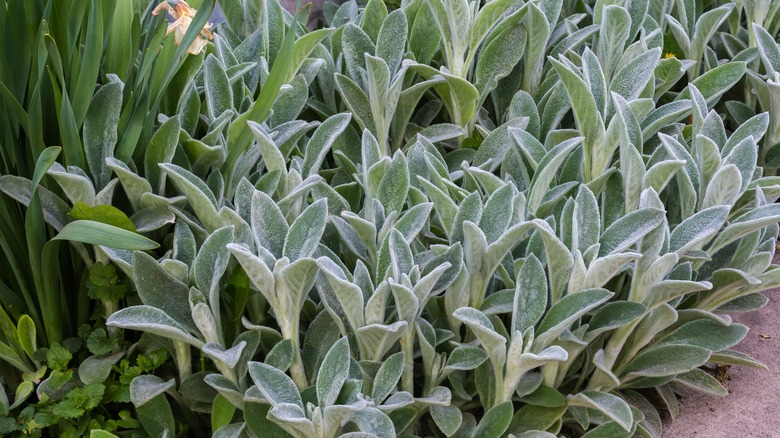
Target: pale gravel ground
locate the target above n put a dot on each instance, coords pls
(752, 409)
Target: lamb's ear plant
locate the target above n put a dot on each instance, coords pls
(336, 404)
(372, 86)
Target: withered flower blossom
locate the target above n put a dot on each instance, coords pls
(183, 14)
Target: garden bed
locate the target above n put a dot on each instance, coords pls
(438, 218)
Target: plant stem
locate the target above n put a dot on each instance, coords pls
(498, 372)
(109, 307)
(226, 371)
(407, 379)
(749, 97)
(611, 352)
(183, 359)
(297, 371)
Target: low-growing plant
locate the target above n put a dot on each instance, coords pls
(557, 252)
(73, 401)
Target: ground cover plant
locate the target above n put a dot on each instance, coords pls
(425, 218)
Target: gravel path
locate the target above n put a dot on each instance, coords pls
(752, 409)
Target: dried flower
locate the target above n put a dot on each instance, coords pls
(183, 15)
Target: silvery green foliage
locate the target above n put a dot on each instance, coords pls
(426, 237)
(148, 212)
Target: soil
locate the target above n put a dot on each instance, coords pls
(752, 407)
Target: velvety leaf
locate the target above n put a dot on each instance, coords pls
(357, 101)
(491, 341)
(387, 377)
(281, 356)
(219, 93)
(717, 81)
(699, 380)
(355, 43)
(744, 156)
(745, 224)
(96, 369)
(146, 387)
(152, 320)
(530, 299)
(230, 431)
(413, 220)
(667, 360)
(614, 315)
(499, 57)
(345, 298)
(199, 195)
(292, 418)
(547, 171)
(495, 422)
(587, 218)
(156, 416)
(321, 142)
(767, 47)
(394, 185)
(210, 265)
(610, 405)
(447, 418)
(531, 417)
(466, 358)
(566, 311)
(306, 231)
(274, 385)
(55, 210)
(100, 130)
(706, 333)
(229, 357)
(731, 357)
(585, 110)
(373, 16)
(613, 34)
(724, 188)
(161, 149)
(333, 373)
(628, 229)
(391, 40)
(159, 289)
(374, 422)
(268, 224)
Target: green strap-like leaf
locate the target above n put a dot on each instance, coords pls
(98, 233)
